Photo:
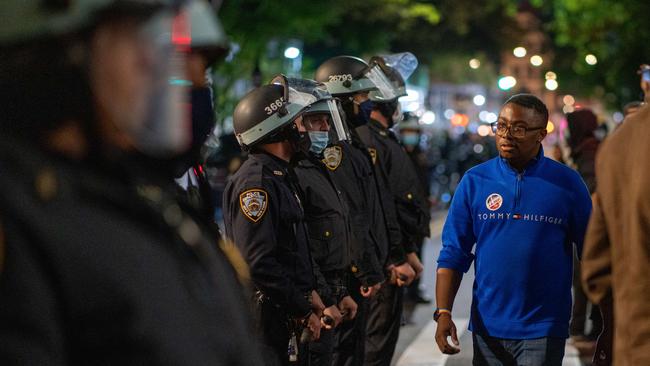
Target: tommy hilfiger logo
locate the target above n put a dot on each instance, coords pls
(519, 216)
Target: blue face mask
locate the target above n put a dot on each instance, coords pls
(410, 139)
(319, 141)
(366, 109)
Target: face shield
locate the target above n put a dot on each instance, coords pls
(147, 102)
(322, 108)
(385, 90)
(398, 68)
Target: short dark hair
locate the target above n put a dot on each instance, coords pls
(531, 102)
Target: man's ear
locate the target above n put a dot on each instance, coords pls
(542, 134)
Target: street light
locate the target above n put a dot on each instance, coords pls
(474, 63)
(550, 75)
(507, 82)
(536, 60)
(591, 59)
(479, 100)
(519, 52)
(568, 99)
(428, 118)
(551, 84)
(291, 52)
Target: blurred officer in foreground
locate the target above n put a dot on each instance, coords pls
(97, 264)
(403, 187)
(372, 211)
(326, 214)
(617, 250)
(517, 216)
(201, 33)
(264, 217)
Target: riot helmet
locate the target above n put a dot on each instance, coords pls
(265, 114)
(149, 113)
(345, 75)
(324, 104)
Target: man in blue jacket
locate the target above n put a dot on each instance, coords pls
(521, 213)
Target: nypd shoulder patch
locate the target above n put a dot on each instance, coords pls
(332, 157)
(253, 203)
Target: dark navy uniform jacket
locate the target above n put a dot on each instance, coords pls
(328, 226)
(99, 269)
(397, 170)
(264, 217)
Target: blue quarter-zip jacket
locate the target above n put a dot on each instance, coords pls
(524, 226)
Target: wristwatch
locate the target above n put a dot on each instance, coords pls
(440, 311)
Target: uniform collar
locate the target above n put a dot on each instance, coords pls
(270, 160)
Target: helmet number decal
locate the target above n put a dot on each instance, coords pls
(274, 106)
(341, 78)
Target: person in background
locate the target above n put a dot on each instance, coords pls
(517, 217)
(410, 132)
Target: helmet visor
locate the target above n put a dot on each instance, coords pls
(385, 89)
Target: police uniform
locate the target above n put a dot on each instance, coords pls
(264, 217)
(351, 168)
(395, 169)
(328, 226)
(99, 269)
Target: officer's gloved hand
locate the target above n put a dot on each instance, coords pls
(317, 304)
(348, 308)
(402, 275)
(369, 291)
(414, 262)
(334, 314)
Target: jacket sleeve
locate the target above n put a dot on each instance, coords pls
(30, 315)
(458, 237)
(597, 257)
(258, 242)
(579, 217)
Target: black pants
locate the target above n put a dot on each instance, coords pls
(321, 351)
(382, 329)
(271, 324)
(349, 337)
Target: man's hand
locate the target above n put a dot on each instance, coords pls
(414, 262)
(334, 313)
(314, 325)
(402, 275)
(371, 290)
(446, 328)
(317, 303)
(348, 308)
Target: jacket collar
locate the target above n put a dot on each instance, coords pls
(530, 168)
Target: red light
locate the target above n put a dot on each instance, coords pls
(181, 31)
(459, 119)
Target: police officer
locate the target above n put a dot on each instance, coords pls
(264, 217)
(326, 214)
(98, 267)
(397, 171)
(372, 214)
(207, 43)
(410, 133)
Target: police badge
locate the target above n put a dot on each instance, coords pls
(332, 157)
(253, 203)
(373, 155)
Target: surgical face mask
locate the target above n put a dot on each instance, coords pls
(319, 141)
(410, 139)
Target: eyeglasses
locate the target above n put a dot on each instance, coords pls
(517, 131)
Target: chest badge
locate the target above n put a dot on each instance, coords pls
(494, 202)
(332, 157)
(253, 203)
(373, 155)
